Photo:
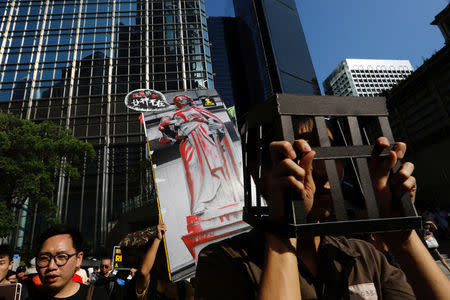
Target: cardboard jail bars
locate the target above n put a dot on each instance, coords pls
(277, 113)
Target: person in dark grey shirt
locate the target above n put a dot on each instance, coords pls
(264, 265)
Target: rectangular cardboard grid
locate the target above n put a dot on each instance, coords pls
(278, 113)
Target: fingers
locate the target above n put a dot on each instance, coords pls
(286, 172)
(283, 154)
(400, 149)
(302, 145)
(288, 167)
(307, 165)
(409, 185)
(385, 163)
(281, 150)
(380, 167)
(282, 183)
(403, 174)
(162, 227)
(402, 181)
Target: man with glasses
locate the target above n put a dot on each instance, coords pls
(58, 257)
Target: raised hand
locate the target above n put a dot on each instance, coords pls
(389, 187)
(162, 228)
(289, 171)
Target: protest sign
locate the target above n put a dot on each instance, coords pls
(197, 164)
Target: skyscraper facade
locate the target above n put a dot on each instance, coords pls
(221, 34)
(366, 77)
(73, 62)
(274, 30)
(236, 69)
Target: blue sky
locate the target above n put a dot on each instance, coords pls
(384, 29)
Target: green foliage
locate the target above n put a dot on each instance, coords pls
(7, 222)
(31, 157)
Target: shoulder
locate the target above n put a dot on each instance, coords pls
(99, 293)
(354, 244)
(102, 280)
(246, 246)
(82, 290)
(238, 263)
(365, 254)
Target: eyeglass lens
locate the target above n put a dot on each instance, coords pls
(60, 260)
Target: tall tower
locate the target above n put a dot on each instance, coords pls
(275, 31)
(236, 67)
(222, 35)
(73, 62)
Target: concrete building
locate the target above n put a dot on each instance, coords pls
(419, 110)
(366, 77)
(442, 20)
(73, 62)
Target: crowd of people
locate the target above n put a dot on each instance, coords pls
(435, 223)
(440, 220)
(266, 265)
(56, 272)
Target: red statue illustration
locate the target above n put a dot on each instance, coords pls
(212, 174)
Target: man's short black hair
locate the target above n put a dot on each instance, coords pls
(10, 273)
(77, 238)
(21, 269)
(6, 250)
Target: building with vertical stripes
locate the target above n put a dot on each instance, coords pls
(73, 62)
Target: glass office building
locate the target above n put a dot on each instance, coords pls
(221, 33)
(275, 31)
(236, 68)
(73, 62)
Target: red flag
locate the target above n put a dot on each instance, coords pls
(141, 119)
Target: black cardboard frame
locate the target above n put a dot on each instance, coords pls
(277, 113)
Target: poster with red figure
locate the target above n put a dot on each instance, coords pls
(197, 162)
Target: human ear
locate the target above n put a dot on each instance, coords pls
(79, 259)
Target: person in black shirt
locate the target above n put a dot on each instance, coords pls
(58, 257)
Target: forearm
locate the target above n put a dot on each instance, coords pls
(149, 257)
(426, 278)
(280, 278)
(143, 274)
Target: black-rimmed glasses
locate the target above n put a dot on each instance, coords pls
(43, 260)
